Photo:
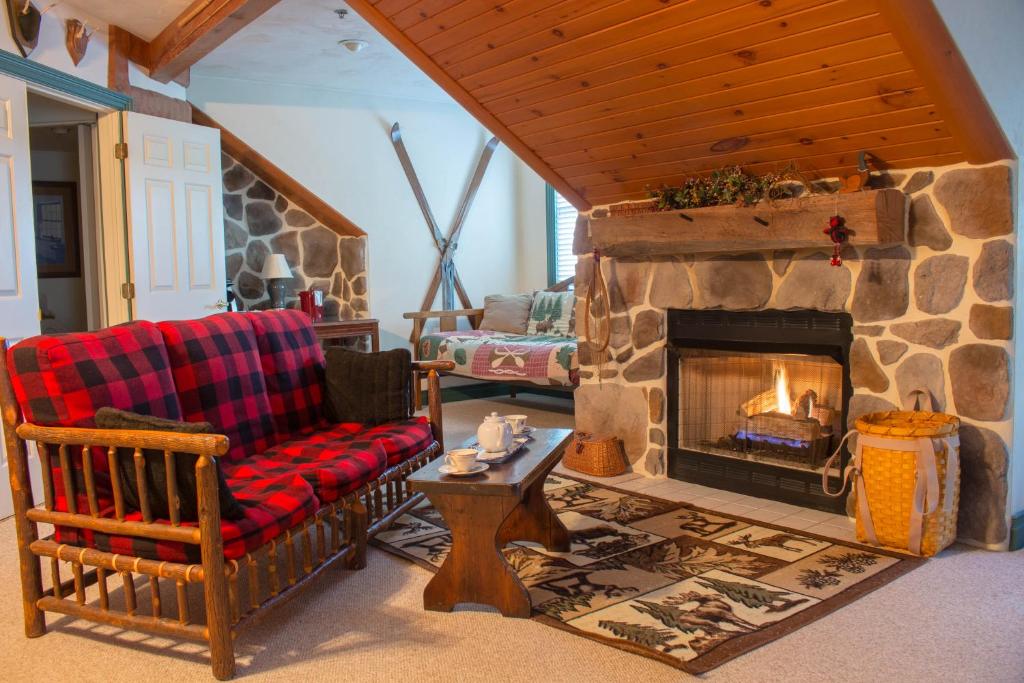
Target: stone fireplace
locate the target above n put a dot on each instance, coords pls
(933, 313)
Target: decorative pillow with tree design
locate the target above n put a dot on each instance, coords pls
(553, 314)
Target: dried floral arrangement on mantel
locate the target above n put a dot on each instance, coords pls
(730, 210)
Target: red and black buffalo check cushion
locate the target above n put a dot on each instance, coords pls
(62, 380)
(293, 365)
(333, 463)
(272, 506)
(219, 377)
(401, 440)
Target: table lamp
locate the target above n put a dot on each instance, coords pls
(276, 272)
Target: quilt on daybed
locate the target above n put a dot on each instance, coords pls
(499, 356)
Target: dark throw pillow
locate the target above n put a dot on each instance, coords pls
(156, 472)
(369, 388)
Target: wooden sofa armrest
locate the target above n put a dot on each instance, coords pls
(431, 368)
(58, 442)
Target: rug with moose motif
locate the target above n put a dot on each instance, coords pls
(687, 586)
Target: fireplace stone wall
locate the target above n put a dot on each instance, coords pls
(934, 314)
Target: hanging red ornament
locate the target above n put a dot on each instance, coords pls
(839, 234)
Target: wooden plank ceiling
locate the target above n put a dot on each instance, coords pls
(605, 98)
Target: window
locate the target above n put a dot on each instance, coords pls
(561, 227)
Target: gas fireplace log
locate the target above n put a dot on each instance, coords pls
(783, 426)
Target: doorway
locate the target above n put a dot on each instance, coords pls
(62, 143)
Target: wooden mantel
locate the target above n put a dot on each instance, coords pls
(873, 217)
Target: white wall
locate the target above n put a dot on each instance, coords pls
(338, 145)
(988, 34)
(51, 50)
(531, 225)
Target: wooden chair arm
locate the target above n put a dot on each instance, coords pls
(439, 365)
(562, 286)
(424, 315)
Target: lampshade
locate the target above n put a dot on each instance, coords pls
(275, 267)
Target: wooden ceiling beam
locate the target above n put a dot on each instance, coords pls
(196, 32)
(144, 101)
(375, 18)
(928, 45)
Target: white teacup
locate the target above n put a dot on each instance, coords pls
(461, 459)
(517, 423)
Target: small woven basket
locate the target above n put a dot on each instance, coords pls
(595, 454)
(890, 478)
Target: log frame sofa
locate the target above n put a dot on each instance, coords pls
(237, 588)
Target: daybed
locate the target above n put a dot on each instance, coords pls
(307, 493)
(535, 347)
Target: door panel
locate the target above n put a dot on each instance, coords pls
(19, 291)
(175, 218)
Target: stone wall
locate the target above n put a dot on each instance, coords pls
(933, 314)
(259, 221)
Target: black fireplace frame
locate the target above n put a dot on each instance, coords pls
(767, 331)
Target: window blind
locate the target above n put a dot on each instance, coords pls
(565, 227)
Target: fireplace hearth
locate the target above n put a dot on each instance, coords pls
(757, 401)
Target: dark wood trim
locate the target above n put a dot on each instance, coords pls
(196, 32)
(144, 101)
(1017, 531)
(375, 18)
(236, 148)
(485, 389)
(927, 43)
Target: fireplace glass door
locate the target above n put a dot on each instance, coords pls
(782, 409)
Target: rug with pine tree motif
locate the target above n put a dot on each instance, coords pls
(677, 583)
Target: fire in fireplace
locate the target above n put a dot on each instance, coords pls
(757, 401)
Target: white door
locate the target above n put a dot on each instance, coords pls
(175, 218)
(19, 290)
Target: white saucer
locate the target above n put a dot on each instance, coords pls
(475, 469)
(527, 429)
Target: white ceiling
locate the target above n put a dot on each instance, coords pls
(144, 18)
(296, 42)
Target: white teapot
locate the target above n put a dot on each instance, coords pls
(495, 434)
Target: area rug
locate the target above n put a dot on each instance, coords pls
(687, 586)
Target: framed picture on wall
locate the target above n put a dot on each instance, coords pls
(58, 243)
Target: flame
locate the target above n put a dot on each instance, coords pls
(810, 405)
(782, 392)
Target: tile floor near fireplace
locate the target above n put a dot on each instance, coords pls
(818, 522)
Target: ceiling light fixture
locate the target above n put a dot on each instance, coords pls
(353, 44)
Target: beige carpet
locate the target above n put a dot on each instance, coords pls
(958, 618)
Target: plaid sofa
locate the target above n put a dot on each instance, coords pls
(311, 491)
(258, 378)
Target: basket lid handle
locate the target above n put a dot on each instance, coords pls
(918, 399)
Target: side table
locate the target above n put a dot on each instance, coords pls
(329, 331)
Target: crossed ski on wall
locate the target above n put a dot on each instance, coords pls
(446, 277)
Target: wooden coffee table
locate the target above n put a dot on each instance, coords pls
(485, 512)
